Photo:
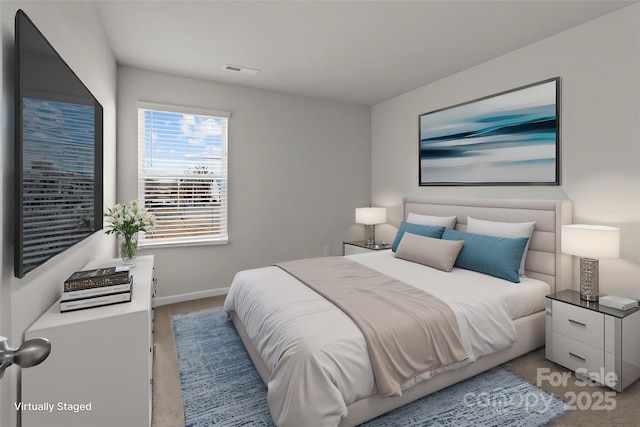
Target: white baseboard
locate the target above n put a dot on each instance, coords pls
(158, 301)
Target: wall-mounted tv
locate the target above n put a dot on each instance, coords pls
(58, 152)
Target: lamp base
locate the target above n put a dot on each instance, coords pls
(589, 286)
(369, 235)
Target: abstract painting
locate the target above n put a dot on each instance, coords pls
(511, 138)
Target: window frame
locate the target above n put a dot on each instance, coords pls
(212, 239)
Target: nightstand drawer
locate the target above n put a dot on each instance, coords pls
(352, 250)
(582, 325)
(574, 354)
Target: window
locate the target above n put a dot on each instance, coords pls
(182, 174)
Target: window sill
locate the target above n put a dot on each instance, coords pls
(176, 244)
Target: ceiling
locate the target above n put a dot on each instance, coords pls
(360, 52)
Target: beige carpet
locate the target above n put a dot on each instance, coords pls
(167, 398)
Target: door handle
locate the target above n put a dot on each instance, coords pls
(30, 353)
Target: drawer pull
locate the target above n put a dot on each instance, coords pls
(577, 357)
(575, 322)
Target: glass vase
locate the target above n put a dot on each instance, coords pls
(128, 249)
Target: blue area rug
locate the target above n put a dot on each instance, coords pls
(220, 387)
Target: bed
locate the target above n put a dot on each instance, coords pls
(332, 384)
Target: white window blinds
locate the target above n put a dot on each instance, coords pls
(182, 174)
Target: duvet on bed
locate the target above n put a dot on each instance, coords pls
(318, 357)
(407, 330)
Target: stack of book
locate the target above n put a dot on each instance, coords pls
(95, 288)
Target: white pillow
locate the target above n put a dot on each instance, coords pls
(436, 253)
(503, 229)
(436, 221)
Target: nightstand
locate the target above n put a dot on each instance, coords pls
(593, 340)
(359, 247)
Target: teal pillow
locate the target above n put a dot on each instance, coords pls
(495, 256)
(422, 230)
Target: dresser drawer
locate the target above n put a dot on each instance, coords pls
(574, 354)
(578, 323)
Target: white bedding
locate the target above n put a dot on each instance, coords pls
(317, 356)
(523, 299)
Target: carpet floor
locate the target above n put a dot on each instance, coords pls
(220, 387)
(168, 408)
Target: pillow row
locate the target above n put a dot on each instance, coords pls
(479, 226)
(497, 256)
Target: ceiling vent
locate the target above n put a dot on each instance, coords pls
(241, 69)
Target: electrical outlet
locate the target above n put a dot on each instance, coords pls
(326, 251)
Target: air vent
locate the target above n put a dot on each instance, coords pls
(240, 69)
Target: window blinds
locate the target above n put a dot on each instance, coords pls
(182, 173)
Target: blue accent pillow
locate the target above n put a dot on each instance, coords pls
(495, 256)
(422, 230)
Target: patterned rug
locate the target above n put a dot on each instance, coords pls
(220, 387)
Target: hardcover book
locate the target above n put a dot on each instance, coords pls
(94, 278)
(619, 303)
(92, 302)
(97, 291)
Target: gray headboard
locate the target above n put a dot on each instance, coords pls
(544, 260)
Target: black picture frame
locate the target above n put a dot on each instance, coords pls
(508, 138)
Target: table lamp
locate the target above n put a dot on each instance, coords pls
(590, 243)
(370, 217)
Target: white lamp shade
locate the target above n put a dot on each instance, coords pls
(591, 241)
(371, 216)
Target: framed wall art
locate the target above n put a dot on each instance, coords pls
(510, 138)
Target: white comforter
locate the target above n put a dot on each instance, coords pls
(316, 354)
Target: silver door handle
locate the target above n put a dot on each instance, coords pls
(30, 353)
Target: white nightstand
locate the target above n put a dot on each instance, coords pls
(359, 247)
(593, 339)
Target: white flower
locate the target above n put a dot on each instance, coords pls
(127, 219)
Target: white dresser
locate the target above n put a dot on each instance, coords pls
(100, 366)
(590, 338)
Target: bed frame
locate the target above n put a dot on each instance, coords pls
(544, 261)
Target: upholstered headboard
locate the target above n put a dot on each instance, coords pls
(544, 259)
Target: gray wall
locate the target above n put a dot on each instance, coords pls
(298, 168)
(599, 63)
(74, 29)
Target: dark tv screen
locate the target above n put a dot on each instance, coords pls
(58, 152)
